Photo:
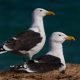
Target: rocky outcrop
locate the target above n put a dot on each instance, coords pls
(72, 73)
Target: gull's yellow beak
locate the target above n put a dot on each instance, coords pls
(70, 38)
(50, 13)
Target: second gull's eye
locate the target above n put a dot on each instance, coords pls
(40, 10)
(59, 35)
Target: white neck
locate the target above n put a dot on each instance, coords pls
(56, 49)
(37, 21)
(37, 24)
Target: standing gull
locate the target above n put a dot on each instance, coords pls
(31, 41)
(53, 59)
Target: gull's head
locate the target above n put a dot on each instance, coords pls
(60, 37)
(42, 12)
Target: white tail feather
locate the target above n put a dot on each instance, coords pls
(2, 52)
(6, 48)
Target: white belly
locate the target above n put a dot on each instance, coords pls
(38, 47)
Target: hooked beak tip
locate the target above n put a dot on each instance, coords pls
(70, 38)
(50, 13)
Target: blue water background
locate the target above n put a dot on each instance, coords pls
(15, 17)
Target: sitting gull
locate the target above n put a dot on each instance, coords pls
(53, 59)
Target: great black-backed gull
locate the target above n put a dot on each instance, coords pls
(31, 41)
(53, 59)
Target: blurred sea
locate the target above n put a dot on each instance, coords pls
(15, 17)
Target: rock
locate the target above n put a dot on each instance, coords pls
(72, 73)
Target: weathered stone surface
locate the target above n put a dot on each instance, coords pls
(72, 73)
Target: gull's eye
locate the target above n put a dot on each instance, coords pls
(59, 35)
(40, 10)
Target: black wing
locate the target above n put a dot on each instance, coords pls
(46, 63)
(43, 67)
(24, 41)
(48, 59)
